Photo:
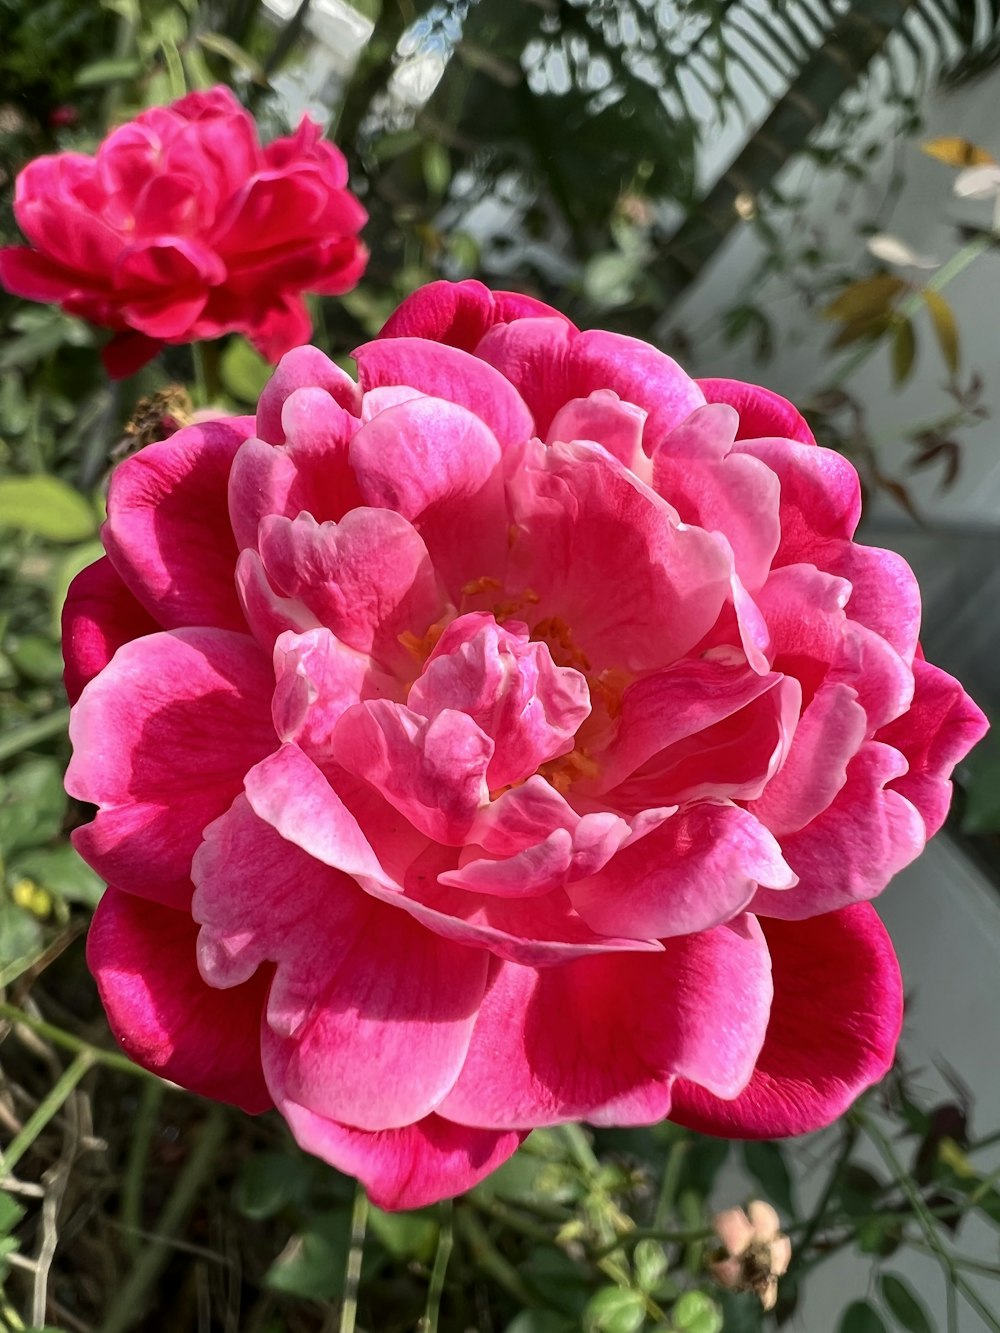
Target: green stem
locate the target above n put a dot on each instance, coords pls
(818, 1214)
(128, 1308)
(30, 733)
(581, 1151)
(489, 1259)
(926, 1220)
(135, 1168)
(110, 1059)
(49, 1106)
(352, 1277)
(671, 1178)
(446, 1241)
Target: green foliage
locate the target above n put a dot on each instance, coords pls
(907, 1309)
(860, 1317)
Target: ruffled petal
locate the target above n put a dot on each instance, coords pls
(99, 615)
(161, 741)
(835, 1021)
(162, 1012)
(405, 1168)
(168, 532)
(602, 1038)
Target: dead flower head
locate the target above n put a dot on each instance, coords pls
(754, 1252)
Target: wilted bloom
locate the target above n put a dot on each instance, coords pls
(183, 227)
(513, 736)
(755, 1253)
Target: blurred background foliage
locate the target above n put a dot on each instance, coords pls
(557, 147)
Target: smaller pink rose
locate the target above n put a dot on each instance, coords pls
(184, 227)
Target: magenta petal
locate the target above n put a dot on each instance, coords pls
(367, 578)
(289, 792)
(828, 735)
(603, 1037)
(99, 615)
(762, 411)
(549, 363)
(355, 1037)
(445, 372)
(165, 1016)
(381, 1045)
(511, 688)
(736, 495)
(317, 678)
(636, 589)
(936, 733)
(303, 368)
(694, 871)
(820, 495)
(432, 771)
(168, 531)
(852, 850)
(405, 1168)
(161, 741)
(659, 710)
(459, 313)
(835, 1020)
(603, 418)
(558, 859)
(421, 451)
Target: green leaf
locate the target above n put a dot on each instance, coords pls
(696, 1313)
(609, 278)
(540, 1321)
(47, 507)
(312, 1263)
(224, 46)
(866, 298)
(904, 351)
(32, 805)
(649, 1263)
(20, 940)
(945, 326)
(268, 1182)
(860, 1317)
(118, 69)
(63, 871)
(615, 1310)
(559, 1280)
(437, 168)
(907, 1309)
(766, 1163)
(243, 371)
(406, 1236)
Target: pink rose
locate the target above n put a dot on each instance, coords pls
(183, 227)
(512, 737)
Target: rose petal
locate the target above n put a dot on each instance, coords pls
(835, 1020)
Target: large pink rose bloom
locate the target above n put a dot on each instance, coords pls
(183, 227)
(514, 736)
